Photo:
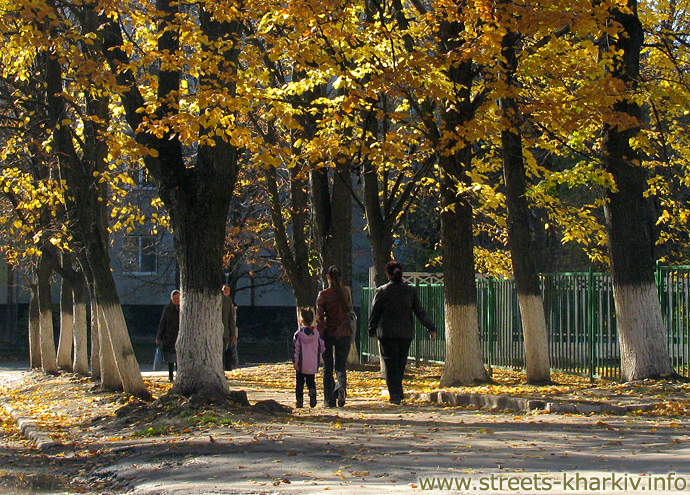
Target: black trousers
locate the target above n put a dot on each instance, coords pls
(300, 379)
(230, 358)
(341, 348)
(394, 354)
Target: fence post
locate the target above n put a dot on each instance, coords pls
(491, 317)
(417, 343)
(361, 327)
(590, 322)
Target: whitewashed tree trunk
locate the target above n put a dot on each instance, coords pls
(382, 363)
(197, 197)
(114, 338)
(64, 353)
(642, 334)
(535, 332)
(630, 218)
(34, 330)
(95, 339)
(110, 377)
(48, 355)
(352, 355)
(80, 364)
(464, 364)
(200, 345)
(125, 360)
(45, 308)
(87, 205)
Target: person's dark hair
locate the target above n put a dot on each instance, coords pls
(307, 315)
(394, 271)
(337, 283)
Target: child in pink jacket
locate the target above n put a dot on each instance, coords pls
(307, 348)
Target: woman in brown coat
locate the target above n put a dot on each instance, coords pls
(332, 307)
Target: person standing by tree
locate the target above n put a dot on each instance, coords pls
(229, 312)
(168, 328)
(392, 323)
(332, 306)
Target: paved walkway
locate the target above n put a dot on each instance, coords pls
(371, 447)
(376, 448)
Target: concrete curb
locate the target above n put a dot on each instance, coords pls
(519, 404)
(30, 430)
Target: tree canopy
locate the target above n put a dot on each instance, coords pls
(369, 101)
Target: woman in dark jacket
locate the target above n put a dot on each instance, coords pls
(391, 322)
(332, 307)
(168, 329)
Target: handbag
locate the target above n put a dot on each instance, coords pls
(351, 315)
(352, 320)
(158, 363)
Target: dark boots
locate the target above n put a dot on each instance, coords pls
(299, 403)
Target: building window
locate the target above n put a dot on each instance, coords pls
(139, 254)
(142, 179)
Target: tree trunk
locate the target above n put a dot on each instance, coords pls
(114, 337)
(110, 376)
(64, 353)
(379, 234)
(294, 252)
(10, 334)
(464, 364)
(95, 339)
(200, 346)
(34, 329)
(379, 225)
(381, 250)
(80, 363)
(45, 307)
(88, 203)
(534, 328)
(199, 239)
(629, 221)
(197, 197)
(332, 207)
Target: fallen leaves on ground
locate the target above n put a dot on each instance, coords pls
(672, 398)
(70, 406)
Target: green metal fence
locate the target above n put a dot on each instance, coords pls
(580, 317)
(673, 285)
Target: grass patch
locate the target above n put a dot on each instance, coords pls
(213, 419)
(152, 431)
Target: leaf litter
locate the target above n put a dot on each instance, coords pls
(80, 414)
